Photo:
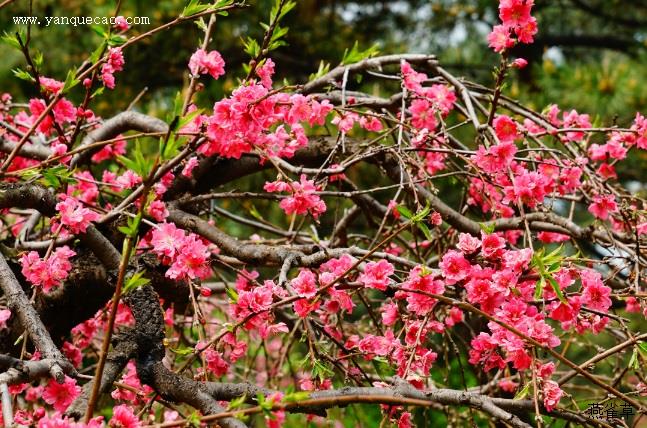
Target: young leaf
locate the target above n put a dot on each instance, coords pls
(70, 81)
(523, 392)
(136, 280)
(539, 287)
(556, 288)
(231, 293)
(356, 55)
(405, 212)
(22, 75)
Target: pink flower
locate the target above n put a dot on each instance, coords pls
(303, 199)
(376, 275)
(128, 180)
(48, 273)
(370, 123)
(549, 237)
(189, 166)
(121, 24)
(412, 79)
(211, 63)
(442, 96)
(166, 240)
(50, 85)
(345, 121)
(72, 353)
(405, 420)
(454, 316)
(303, 307)
(187, 255)
(123, 417)
(526, 32)
(499, 39)
(110, 151)
(215, 363)
(519, 63)
(421, 281)
(633, 305)
(595, 294)
(74, 215)
(60, 396)
(508, 385)
(5, 314)
(305, 284)
(514, 13)
(114, 63)
(423, 115)
(640, 126)
(505, 128)
(64, 111)
(467, 243)
(552, 394)
(192, 261)
(602, 206)
(389, 314)
(492, 245)
(454, 267)
(265, 72)
(157, 210)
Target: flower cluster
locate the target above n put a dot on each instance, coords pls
(186, 253)
(516, 21)
(48, 273)
(74, 216)
(114, 63)
(303, 198)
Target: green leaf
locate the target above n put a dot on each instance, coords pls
(139, 164)
(100, 31)
(523, 392)
(425, 230)
(254, 212)
(194, 7)
(70, 81)
(251, 47)
(539, 287)
(135, 281)
(643, 346)
(194, 419)
(54, 176)
(188, 118)
(96, 54)
(356, 55)
(116, 40)
(487, 228)
(296, 396)
(231, 293)
(633, 361)
(22, 75)
(182, 351)
(405, 212)
(324, 68)
(12, 39)
(556, 289)
(38, 58)
(321, 371)
(98, 91)
(237, 402)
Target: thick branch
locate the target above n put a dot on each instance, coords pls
(122, 122)
(20, 305)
